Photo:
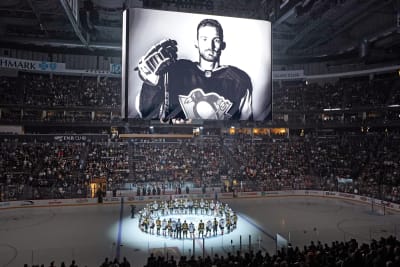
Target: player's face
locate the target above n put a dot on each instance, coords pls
(209, 43)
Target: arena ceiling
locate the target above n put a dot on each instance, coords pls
(303, 30)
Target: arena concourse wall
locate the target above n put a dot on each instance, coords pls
(221, 196)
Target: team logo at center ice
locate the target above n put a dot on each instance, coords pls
(198, 105)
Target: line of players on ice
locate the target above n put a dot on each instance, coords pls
(150, 222)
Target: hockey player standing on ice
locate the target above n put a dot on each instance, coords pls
(184, 89)
(191, 230)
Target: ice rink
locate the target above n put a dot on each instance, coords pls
(88, 234)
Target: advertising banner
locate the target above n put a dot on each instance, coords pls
(31, 65)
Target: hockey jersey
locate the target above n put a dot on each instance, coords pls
(188, 92)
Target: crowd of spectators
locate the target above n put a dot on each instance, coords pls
(70, 91)
(345, 93)
(362, 163)
(366, 164)
(108, 160)
(39, 97)
(41, 170)
(273, 165)
(178, 163)
(344, 101)
(36, 94)
(384, 252)
(36, 170)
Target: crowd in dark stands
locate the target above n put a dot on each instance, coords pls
(343, 101)
(359, 163)
(39, 97)
(32, 167)
(345, 93)
(70, 91)
(176, 163)
(365, 163)
(384, 252)
(46, 170)
(109, 160)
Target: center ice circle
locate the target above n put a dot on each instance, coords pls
(187, 219)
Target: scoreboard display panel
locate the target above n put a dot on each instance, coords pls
(194, 66)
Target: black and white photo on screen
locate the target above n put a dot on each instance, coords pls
(196, 66)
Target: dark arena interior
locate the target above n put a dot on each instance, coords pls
(200, 133)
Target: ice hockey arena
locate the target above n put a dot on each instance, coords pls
(189, 133)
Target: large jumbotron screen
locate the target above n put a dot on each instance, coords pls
(194, 66)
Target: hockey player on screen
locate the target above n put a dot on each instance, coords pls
(179, 88)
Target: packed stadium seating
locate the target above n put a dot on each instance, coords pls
(58, 98)
(382, 252)
(335, 125)
(365, 164)
(361, 161)
(74, 98)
